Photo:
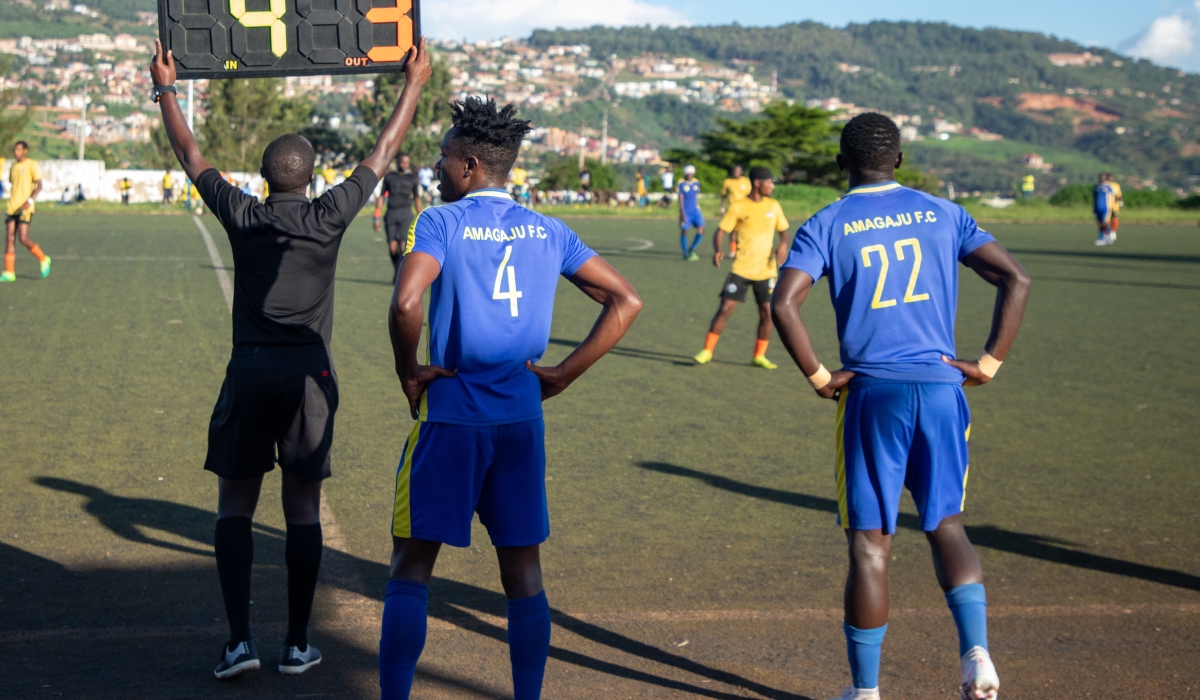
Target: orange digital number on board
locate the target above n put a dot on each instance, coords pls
(404, 28)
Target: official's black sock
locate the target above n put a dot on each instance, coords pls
(303, 554)
(234, 543)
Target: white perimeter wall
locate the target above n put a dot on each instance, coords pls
(101, 183)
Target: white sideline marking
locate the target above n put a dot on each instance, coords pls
(350, 606)
(215, 256)
(642, 244)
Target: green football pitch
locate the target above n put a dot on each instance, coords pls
(694, 550)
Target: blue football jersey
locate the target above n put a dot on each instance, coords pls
(689, 194)
(891, 255)
(1103, 199)
(490, 307)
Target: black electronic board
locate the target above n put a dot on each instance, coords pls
(258, 38)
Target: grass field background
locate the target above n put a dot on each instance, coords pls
(694, 548)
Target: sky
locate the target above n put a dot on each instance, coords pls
(1164, 31)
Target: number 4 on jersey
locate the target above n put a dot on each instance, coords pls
(512, 294)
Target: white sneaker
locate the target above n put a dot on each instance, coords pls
(293, 662)
(979, 679)
(241, 658)
(858, 694)
(1101, 241)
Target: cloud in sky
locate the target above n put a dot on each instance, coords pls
(492, 19)
(1168, 40)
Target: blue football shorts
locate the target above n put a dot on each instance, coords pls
(692, 219)
(450, 472)
(894, 435)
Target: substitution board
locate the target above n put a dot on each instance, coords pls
(260, 38)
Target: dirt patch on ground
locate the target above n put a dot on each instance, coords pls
(1168, 112)
(1045, 102)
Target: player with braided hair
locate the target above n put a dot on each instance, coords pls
(478, 445)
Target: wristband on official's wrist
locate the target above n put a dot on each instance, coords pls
(160, 90)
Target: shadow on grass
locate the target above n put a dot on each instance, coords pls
(622, 351)
(164, 619)
(1119, 283)
(1110, 254)
(1024, 544)
(451, 601)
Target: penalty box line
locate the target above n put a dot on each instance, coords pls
(470, 620)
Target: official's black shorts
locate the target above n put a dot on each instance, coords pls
(21, 217)
(736, 287)
(397, 226)
(277, 404)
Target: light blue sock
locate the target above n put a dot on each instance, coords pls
(863, 648)
(696, 243)
(968, 605)
(405, 620)
(528, 644)
(683, 243)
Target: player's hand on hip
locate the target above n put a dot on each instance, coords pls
(554, 382)
(418, 69)
(415, 386)
(837, 380)
(718, 256)
(162, 66)
(974, 376)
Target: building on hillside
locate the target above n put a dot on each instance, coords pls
(125, 42)
(96, 42)
(1034, 161)
(1075, 60)
(941, 126)
(984, 134)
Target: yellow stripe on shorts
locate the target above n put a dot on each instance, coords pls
(402, 509)
(966, 472)
(423, 405)
(843, 503)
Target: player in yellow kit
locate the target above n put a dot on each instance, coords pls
(755, 219)
(26, 180)
(735, 187)
(520, 181)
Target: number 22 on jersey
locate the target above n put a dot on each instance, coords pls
(876, 301)
(512, 294)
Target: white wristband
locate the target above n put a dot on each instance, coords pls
(820, 378)
(989, 365)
